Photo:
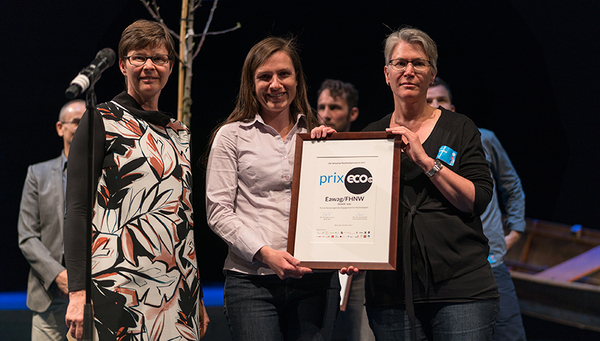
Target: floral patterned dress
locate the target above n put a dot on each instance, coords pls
(144, 269)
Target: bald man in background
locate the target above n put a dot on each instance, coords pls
(40, 228)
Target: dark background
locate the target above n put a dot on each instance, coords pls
(527, 70)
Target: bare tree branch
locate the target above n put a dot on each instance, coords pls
(154, 14)
(187, 46)
(214, 33)
(154, 11)
(208, 21)
(197, 5)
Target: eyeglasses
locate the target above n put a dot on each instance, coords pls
(157, 59)
(74, 121)
(419, 65)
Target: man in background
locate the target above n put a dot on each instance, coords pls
(337, 107)
(40, 229)
(509, 324)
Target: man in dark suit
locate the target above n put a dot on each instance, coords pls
(41, 233)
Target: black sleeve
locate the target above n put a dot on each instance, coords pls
(475, 168)
(74, 234)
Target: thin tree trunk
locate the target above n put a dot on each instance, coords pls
(185, 102)
(187, 50)
(183, 56)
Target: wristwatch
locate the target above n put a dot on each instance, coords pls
(436, 168)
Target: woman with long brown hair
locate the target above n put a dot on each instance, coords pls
(268, 296)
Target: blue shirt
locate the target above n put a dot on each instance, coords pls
(507, 182)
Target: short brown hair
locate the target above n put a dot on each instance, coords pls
(145, 33)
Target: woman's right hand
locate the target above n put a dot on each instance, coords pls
(321, 131)
(284, 264)
(74, 315)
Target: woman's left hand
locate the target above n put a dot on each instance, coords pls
(351, 270)
(458, 190)
(411, 144)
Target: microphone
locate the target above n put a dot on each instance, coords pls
(91, 73)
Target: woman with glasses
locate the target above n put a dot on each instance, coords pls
(268, 295)
(444, 288)
(145, 282)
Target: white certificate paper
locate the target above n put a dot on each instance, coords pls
(343, 202)
(342, 216)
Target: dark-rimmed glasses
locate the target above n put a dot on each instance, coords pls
(157, 59)
(400, 64)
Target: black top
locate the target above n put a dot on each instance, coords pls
(448, 250)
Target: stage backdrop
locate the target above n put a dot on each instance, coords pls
(526, 70)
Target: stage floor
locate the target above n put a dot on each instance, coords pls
(15, 317)
(15, 321)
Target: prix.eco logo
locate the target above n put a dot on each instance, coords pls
(358, 180)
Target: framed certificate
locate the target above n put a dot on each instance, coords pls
(344, 208)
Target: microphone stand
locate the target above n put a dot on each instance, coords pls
(88, 312)
(90, 75)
